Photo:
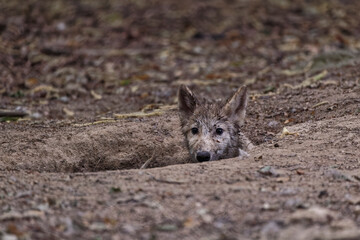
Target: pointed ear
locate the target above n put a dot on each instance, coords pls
(187, 102)
(235, 107)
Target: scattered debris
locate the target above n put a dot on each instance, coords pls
(308, 82)
(334, 59)
(290, 73)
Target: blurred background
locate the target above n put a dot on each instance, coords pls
(85, 59)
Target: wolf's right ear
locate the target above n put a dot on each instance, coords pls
(187, 102)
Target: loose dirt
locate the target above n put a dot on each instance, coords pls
(99, 79)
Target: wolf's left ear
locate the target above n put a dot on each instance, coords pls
(235, 107)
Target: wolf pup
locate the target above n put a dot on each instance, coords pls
(212, 131)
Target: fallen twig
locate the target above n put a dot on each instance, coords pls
(320, 103)
(156, 112)
(94, 123)
(307, 82)
(148, 161)
(8, 113)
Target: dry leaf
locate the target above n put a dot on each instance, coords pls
(300, 172)
(68, 112)
(286, 132)
(31, 82)
(95, 95)
(188, 223)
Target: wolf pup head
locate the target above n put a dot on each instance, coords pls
(212, 130)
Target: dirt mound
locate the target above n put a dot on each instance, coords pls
(120, 145)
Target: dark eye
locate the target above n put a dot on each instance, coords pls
(219, 131)
(194, 130)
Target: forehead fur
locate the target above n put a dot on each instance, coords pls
(207, 114)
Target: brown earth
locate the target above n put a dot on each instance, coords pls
(98, 80)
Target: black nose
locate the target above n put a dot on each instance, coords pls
(203, 156)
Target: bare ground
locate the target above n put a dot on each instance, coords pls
(71, 169)
(225, 199)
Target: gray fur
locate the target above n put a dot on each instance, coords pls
(207, 118)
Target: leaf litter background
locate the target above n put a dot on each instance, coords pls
(98, 80)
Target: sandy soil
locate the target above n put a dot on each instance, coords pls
(305, 186)
(71, 169)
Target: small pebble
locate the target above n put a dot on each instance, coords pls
(273, 124)
(9, 237)
(61, 26)
(64, 99)
(36, 115)
(323, 193)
